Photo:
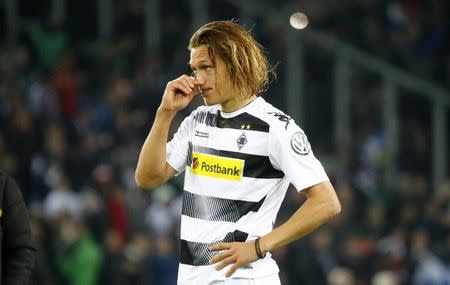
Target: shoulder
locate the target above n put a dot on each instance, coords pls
(201, 112)
(8, 186)
(276, 119)
(10, 193)
(204, 108)
(283, 129)
(206, 115)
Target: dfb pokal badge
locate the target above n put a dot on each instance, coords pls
(300, 144)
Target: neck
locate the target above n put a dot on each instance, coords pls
(232, 106)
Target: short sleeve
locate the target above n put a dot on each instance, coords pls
(177, 148)
(290, 152)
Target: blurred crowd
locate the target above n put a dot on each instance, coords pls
(75, 111)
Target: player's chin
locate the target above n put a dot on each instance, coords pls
(209, 101)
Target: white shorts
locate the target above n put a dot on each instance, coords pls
(268, 280)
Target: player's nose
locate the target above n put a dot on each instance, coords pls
(199, 81)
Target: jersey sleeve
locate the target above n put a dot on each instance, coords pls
(290, 152)
(178, 147)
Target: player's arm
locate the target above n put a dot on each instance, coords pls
(152, 170)
(322, 202)
(321, 205)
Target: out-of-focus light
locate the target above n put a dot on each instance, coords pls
(298, 20)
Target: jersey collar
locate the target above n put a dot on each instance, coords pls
(241, 110)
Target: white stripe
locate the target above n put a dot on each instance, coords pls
(226, 139)
(200, 275)
(248, 189)
(197, 230)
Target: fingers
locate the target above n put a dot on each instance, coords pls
(192, 82)
(181, 84)
(232, 269)
(189, 81)
(233, 254)
(220, 256)
(220, 246)
(186, 84)
(226, 261)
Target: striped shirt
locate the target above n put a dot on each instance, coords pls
(238, 167)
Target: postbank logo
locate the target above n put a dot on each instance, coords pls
(217, 166)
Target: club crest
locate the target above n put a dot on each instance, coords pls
(241, 141)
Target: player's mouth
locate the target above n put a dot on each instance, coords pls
(205, 92)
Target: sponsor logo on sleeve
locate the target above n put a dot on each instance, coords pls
(300, 143)
(217, 166)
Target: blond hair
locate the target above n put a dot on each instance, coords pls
(244, 57)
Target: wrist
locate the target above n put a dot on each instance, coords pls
(263, 244)
(166, 114)
(260, 253)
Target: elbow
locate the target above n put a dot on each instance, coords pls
(145, 182)
(140, 183)
(334, 208)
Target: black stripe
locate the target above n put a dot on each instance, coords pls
(217, 209)
(256, 166)
(239, 122)
(242, 121)
(198, 254)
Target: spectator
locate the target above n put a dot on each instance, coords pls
(80, 257)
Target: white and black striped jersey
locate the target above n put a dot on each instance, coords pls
(238, 167)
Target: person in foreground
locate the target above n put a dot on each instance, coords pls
(16, 248)
(239, 154)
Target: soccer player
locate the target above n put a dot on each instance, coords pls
(239, 155)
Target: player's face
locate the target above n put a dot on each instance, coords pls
(218, 88)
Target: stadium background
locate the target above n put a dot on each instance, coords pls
(80, 82)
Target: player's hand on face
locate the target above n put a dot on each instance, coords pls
(238, 254)
(180, 92)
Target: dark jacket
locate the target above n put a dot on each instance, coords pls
(16, 248)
